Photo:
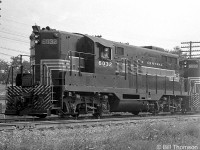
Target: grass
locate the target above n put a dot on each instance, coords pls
(139, 136)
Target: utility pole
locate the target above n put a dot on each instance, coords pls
(190, 50)
(0, 8)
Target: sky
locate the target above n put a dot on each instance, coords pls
(161, 23)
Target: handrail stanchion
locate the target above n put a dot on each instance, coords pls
(173, 85)
(70, 63)
(12, 75)
(156, 84)
(33, 74)
(8, 77)
(63, 86)
(79, 64)
(43, 72)
(136, 82)
(165, 84)
(125, 69)
(147, 83)
(181, 83)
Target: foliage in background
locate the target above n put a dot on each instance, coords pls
(178, 51)
(5, 68)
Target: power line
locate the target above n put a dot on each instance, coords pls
(14, 26)
(5, 54)
(6, 19)
(190, 51)
(20, 33)
(13, 39)
(14, 50)
(138, 39)
(188, 42)
(13, 34)
(193, 50)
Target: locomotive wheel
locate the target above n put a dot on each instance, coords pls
(183, 111)
(41, 116)
(75, 115)
(94, 115)
(135, 112)
(154, 113)
(97, 115)
(172, 112)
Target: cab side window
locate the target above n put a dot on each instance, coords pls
(104, 53)
(119, 51)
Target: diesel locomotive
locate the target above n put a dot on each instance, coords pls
(74, 74)
(190, 69)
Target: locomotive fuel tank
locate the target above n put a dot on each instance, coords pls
(129, 106)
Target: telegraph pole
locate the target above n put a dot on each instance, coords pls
(190, 50)
(0, 7)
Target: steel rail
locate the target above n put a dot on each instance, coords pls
(84, 123)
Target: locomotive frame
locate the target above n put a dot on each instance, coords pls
(76, 74)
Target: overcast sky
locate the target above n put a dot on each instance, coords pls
(162, 23)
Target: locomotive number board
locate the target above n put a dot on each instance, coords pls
(105, 64)
(49, 41)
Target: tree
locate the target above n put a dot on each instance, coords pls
(16, 65)
(3, 71)
(177, 50)
(16, 62)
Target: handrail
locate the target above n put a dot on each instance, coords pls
(11, 69)
(33, 72)
(70, 54)
(156, 84)
(125, 68)
(79, 66)
(136, 82)
(81, 53)
(70, 63)
(147, 84)
(8, 77)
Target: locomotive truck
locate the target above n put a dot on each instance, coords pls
(74, 74)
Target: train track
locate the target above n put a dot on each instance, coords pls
(9, 119)
(53, 123)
